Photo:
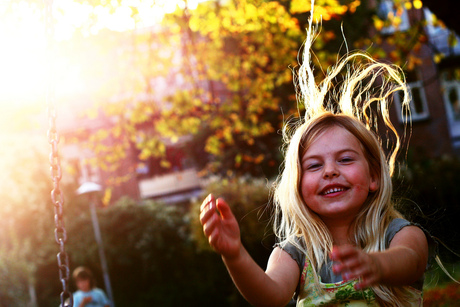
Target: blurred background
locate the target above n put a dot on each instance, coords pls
(160, 102)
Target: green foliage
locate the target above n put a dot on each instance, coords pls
(26, 231)
(220, 75)
(227, 68)
(437, 278)
(15, 273)
(152, 257)
(156, 253)
(249, 200)
(233, 71)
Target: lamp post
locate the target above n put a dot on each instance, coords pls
(91, 189)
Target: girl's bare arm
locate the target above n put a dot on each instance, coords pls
(275, 286)
(402, 264)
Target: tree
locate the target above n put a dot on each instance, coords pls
(217, 79)
(230, 68)
(26, 232)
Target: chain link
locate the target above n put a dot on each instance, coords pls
(57, 196)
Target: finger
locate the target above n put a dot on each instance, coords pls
(207, 208)
(207, 202)
(353, 263)
(210, 225)
(224, 209)
(341, 253)
(347, 273)
(339, 267)
(346, 258)
(354, 274)
(204, 203)
(365, 282)
(362, 274)
(213, 237)
(205, 215)
(361, 284)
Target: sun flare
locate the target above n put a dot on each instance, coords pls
(24, 55)
(21, 55)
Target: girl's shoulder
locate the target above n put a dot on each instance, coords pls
(394, 227)
(399, 223)
(294, 250)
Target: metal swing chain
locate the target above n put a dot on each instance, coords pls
(57, 196)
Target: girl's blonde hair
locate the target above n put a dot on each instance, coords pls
(359, 103)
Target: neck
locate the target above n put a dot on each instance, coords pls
(340, 231)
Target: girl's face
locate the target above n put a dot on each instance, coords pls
(336, 179)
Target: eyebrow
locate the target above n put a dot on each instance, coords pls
(304, 158)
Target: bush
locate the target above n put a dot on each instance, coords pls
(446, 296)
(249, 199)
(147, 250)
(157, 254)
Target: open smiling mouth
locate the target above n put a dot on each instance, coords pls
(333, 190)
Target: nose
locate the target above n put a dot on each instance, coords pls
(330, 171)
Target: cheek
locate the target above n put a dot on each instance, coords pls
(362, 179)
(304, 182)
(362, 187)
(308, 186)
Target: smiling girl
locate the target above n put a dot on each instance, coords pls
(341, 241)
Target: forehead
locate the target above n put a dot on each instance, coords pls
(333, 139)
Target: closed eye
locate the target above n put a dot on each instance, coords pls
(346, 160)
(313, 166)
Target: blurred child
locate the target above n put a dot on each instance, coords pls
(87, 295)
(341, 242)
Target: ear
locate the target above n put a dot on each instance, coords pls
(374, 184)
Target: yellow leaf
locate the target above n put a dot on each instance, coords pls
(299, 6)
(107, 196)
(259, 159)
(165, 163)
(238, 159)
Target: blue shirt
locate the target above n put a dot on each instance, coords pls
(99, 298)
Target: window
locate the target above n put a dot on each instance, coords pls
(175, 160)
(418, 105)
(395, 18)
(452, 94)
(451, 90)
(444, 40)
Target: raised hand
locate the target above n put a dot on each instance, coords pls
(353, 263)
(220, 227)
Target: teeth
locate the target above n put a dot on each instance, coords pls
(334, 190)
